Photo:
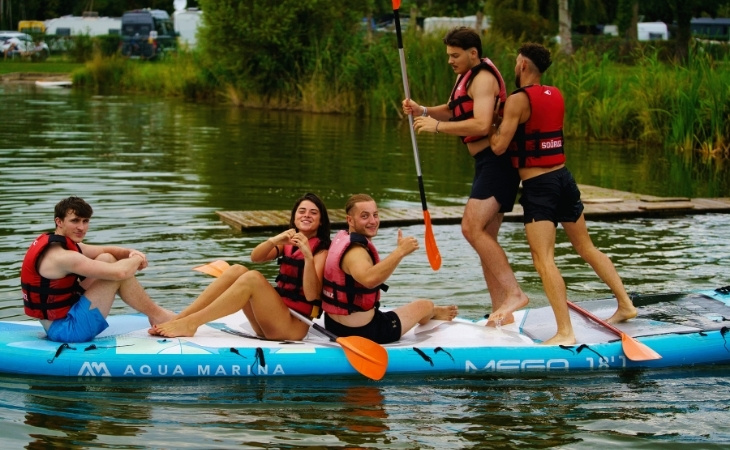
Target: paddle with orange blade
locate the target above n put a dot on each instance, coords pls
(432, 251)
(633, 349)
(367, 357)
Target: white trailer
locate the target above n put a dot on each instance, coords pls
(652, 31)
(186, 22)
(75, 25)
(444, 24)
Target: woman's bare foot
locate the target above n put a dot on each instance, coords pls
(445, 312)
(622, 314)
(174, 328)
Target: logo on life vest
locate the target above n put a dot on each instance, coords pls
(555, 143)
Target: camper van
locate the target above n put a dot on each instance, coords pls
(717, 29)
(147, 33)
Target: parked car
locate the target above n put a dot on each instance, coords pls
(147, 33)
(16, 44)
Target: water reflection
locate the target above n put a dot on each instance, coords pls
(82, 413)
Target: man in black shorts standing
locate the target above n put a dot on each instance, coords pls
(479, 89)
(354, 274)
(531, 134)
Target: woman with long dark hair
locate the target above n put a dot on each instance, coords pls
(301, 251)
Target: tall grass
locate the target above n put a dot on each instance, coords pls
(620, 94)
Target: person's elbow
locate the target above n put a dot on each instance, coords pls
(499, 146)
(370, 282)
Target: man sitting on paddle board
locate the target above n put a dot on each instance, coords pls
(479, 87)
(354, 274)
(70, 286)
(531, 133)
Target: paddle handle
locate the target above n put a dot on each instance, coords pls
(332, 337)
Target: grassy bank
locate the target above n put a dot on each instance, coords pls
(614, 91)
(50, 67)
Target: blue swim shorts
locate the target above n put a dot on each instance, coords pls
(81, 324)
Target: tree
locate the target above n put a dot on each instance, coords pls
(565, 25)
(268, 47)
(627, 17)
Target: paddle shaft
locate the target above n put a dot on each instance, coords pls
(595, 318)
(407, 90)
(330, 335)
(432, 251)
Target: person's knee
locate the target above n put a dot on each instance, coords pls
(251, 278)
(470, 232)
(106, 257)
(236, 270)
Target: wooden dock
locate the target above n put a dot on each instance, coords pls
(600, 204)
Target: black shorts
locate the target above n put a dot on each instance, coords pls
(495, 177)
(552, 196)
(383, 329)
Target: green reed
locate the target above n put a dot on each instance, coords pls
(627, 94)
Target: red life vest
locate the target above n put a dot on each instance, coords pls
(343, 295)
(290, 281)
(44, 298)
(539, 141)
(462, 105)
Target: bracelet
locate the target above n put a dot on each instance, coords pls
(425, 111)
(437, 126)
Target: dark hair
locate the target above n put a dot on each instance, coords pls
(539, 55)
(74, 205)
(323, 232)
(464, 38)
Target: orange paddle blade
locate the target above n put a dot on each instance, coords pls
(367, 357)
(396, 4)
(215, 268)
(633, 349)
(636, 351)
(432, 251)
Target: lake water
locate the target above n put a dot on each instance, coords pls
(156, 170)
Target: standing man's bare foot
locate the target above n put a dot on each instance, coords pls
(503, 315)
(622, 315)
(559, 339)
(497, 319)
(445, 312)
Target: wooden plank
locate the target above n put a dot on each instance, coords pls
(600, 204)
(667, 206)
(651, 198)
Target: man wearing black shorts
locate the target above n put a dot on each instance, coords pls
(531, 134)
(354, 274)
(478, 92)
